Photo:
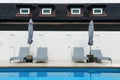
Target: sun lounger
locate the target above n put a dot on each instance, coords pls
(98, 55)
(78, 54)
(22, 54)
(41, 55)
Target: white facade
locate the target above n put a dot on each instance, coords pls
(59, 1)
(60, 44)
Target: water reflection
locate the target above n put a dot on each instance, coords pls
(61, 75)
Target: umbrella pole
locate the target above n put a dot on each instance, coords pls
(90, 49)
(29, 48)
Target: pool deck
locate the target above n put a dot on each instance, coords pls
(61, 64)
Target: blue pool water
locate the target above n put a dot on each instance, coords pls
(59, 73)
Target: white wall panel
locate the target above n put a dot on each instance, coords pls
(60, 43)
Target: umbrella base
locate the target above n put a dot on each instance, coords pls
(29, 58)
(90, 58)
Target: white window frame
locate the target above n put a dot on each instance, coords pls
(24, 9)
(46, 9)
(75, 9)
(93, 10)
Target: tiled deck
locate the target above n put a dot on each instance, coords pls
(115, 64)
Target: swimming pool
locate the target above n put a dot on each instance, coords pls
(59, 73)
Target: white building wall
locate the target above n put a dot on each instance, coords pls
(60, 44)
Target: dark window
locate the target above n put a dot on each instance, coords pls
(47, 11)
(97, 10)
(75, 11)
(25, 10)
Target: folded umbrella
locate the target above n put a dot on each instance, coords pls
(91, 34)
(30, 32)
